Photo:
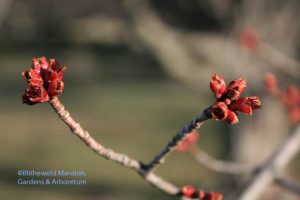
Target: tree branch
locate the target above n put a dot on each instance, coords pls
(109, 154)
(281, 157)
(218, 165)
(175, 141)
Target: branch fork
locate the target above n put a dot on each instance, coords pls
(45, 84)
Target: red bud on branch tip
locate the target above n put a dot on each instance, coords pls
(201, 194)
(294, 115)
(213, 196)
(217, 85)
(249, 39)
(33, 77)
(236, 88)
(35, 94)
(45, 81)
(219, 111)
(245, 105)
(271, 83)
(39, 64)
(188, 191)
(232, 117)
(241, 105)
(230, 102)
(291, 97)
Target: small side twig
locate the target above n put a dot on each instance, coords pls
(109, 154)
(175, 141)
(219, 165)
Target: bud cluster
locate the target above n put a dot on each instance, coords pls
(45, 81)
(290, 97)
(190, 192)
(249, 39)
(229, 100)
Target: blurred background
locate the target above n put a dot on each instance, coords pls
(137, 71)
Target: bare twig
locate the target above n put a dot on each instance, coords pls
(175, 141)
(288, 184)
(218, 165)
(277, 162)
(109, 154)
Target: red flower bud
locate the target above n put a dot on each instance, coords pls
(55, 88)
(217, 85)
(189, 141)
(219, 111)
(39, 64)
(271, 83)
(213, 196)
(35, 94)
(294, 115)
(231, 117)
(32, 77)
(188, 191)
(235, 88)
(246, 104)
(201, 194)
(254, 102)
(228, 101)
(44, 79)
(249, 39)
(291, 97)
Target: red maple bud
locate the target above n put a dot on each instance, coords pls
(249, 39)
(45, 80)
(188, 191)
(201, 194)
(217, 85)
(246, 104)
(232, 117)
(291, 97)
(254, 102)
(213, 196)
(230, 102)
(235, 88)
(55, 88)
(35, 94)
(33, 77)
(39, 64)
(219, 111)
(188, 142)
(227, 101)
(271, 83)
(294, 115)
